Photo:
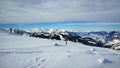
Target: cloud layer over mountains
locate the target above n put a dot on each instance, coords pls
(22, 11)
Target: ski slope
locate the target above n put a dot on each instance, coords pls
(28, 52)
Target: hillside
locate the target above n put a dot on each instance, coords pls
(28, 52)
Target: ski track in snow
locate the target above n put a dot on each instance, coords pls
(68, 53)
(37, 62)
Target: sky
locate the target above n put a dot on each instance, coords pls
(27, 11)
(70, 26)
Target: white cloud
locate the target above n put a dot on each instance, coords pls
(23, 11)
(89, 23)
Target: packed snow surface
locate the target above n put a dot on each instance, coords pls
(28, 52)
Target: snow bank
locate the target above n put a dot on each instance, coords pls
(104, 60)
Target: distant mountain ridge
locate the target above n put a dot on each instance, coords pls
(93, 38)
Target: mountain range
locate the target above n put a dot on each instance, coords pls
(105, 39)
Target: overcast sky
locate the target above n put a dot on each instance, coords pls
(27, 11)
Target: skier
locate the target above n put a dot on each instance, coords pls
(66, 41)
(10, 30)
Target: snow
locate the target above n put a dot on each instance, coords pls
(103, 60)
(92, 49)
(28, 52)
(34, 30)
(115, 42)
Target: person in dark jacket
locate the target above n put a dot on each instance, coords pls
(66, 41)
(10, 30)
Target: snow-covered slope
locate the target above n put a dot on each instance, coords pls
(93, 38)
(29, 52)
